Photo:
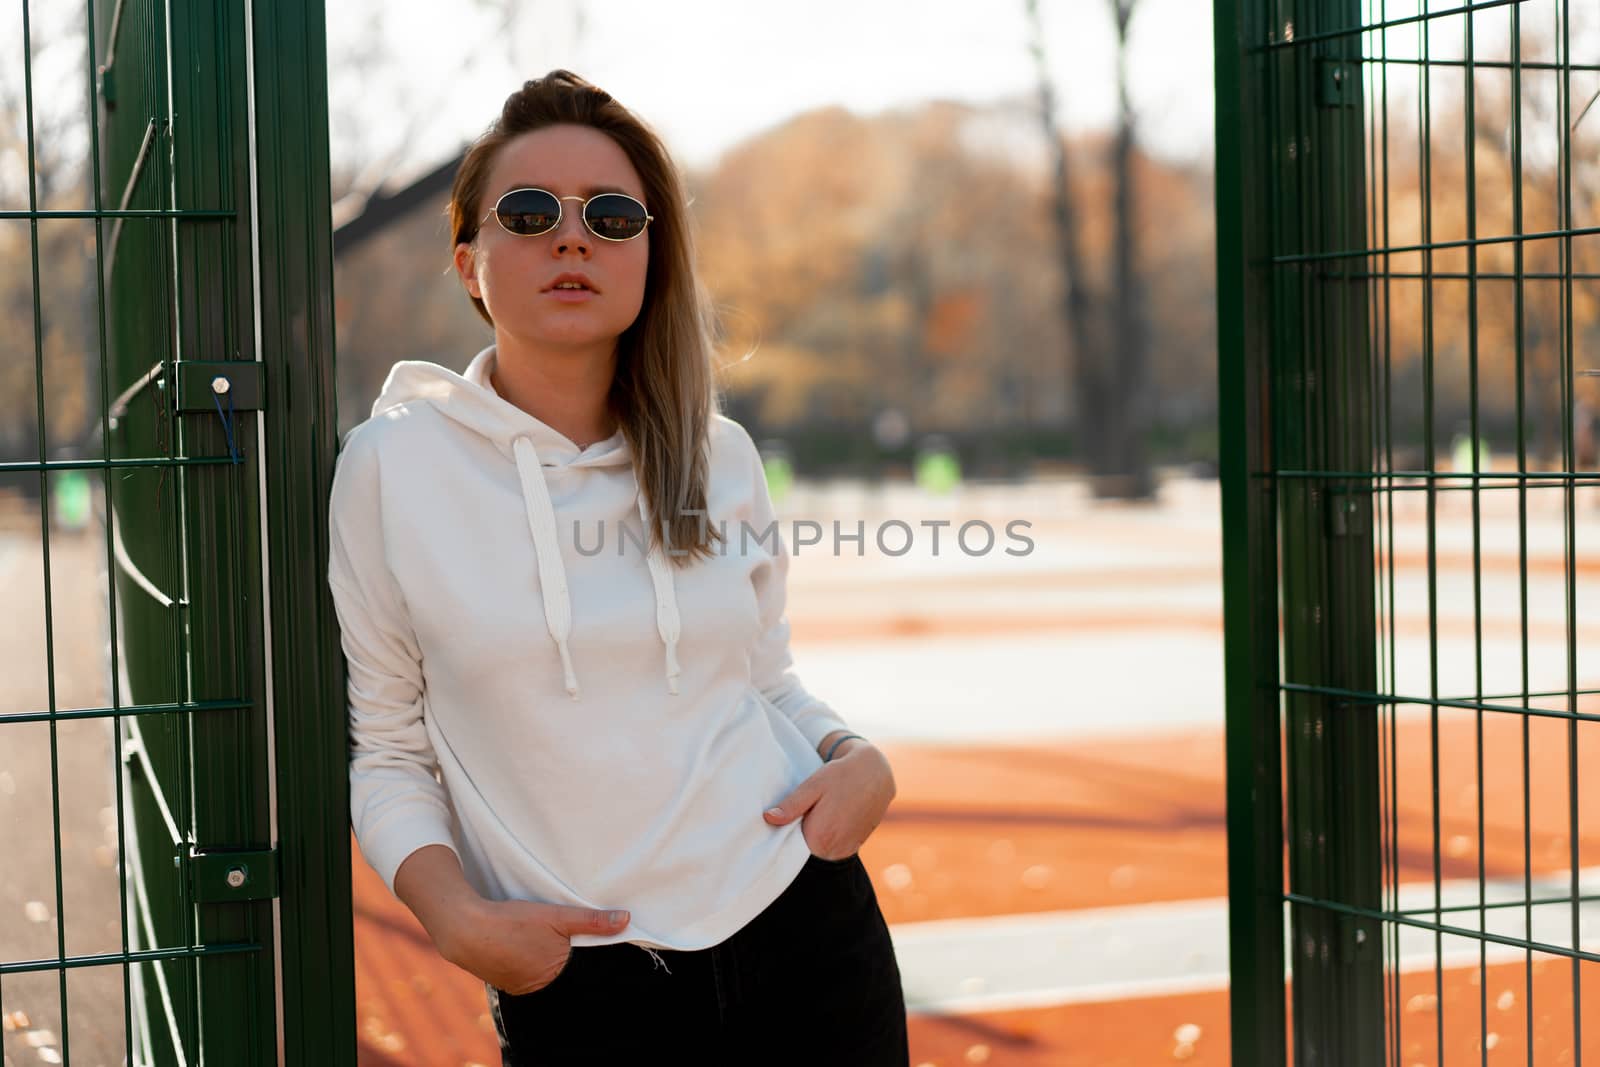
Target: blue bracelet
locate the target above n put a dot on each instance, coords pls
(836, 744)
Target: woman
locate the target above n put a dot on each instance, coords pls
(578, 751)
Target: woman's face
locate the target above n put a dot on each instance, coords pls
(514, 275)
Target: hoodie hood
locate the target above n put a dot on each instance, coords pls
(470, 400)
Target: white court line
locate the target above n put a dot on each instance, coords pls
(10, 553)
(1002, 963)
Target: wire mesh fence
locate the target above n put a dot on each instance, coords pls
(116, 732)
(149, 562)
(1415, 508)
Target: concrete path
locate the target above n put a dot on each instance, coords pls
(953, 966)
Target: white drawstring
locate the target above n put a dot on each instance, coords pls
(552, 573)
(668, 623)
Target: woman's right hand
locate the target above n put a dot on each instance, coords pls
(520, 946)
(516, 946)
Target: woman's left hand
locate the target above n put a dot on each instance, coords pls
(841, 803)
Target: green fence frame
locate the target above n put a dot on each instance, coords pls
(1314, 410)
(213, 246)
(1302, 404)
(1249, 569)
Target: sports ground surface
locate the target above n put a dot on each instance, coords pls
(1053, 868)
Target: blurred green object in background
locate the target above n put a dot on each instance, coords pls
(780, 476)
(1461, 453)
(938, 470)
(72, 500)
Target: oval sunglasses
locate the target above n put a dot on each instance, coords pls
(530, 212)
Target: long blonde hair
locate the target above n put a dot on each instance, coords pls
(664, 392)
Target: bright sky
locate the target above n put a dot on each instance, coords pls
(708, 73)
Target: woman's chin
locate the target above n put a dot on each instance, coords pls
(569, 334)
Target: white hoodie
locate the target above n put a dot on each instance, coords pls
(607, 729)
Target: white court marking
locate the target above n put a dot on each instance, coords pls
(1003, 963)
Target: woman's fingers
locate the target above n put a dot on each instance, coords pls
(799, 801)
(521, 946)
(840, 803)
(571, 920)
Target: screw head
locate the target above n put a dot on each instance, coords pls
(236, 877)
(220, 385)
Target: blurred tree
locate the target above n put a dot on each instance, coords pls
(1110, 350)
(382, 114)
(1077, 305)
(1126, 468)
(920, 289)
(59, 312)
(910, 281)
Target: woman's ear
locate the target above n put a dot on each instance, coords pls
(466, 261)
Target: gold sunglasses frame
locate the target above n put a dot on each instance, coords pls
(561, 213)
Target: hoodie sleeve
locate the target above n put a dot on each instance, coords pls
(771, 664)
(397, 804)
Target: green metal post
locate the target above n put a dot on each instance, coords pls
(1296, 406)
(1249, 564)
(301, 428)
(1323, 428)
(217, 262)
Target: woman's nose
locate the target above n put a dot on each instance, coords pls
(571, 232)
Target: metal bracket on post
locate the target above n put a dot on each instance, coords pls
(1336, 83)
(1359, 937)
(1347, 512)
(227, 876)
(240, 383)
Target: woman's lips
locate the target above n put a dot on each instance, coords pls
(571, 296)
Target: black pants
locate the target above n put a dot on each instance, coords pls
(811, 980)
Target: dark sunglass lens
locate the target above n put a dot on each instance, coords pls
(527, 212)
(616, 217)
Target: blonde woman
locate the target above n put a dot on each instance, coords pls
(579, 752)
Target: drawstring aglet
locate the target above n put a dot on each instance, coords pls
(672, 668)
(566, 667)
